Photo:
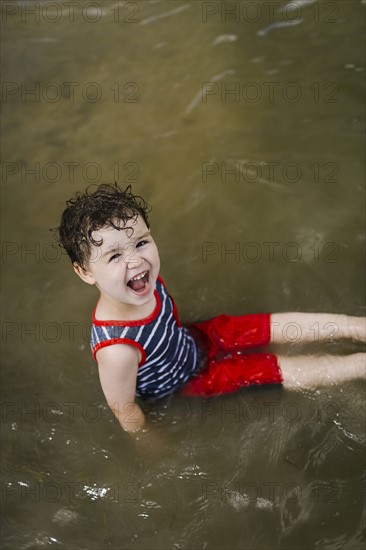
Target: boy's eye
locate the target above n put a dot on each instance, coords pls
(142, 243)
(114, 257)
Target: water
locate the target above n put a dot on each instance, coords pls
(148, 103)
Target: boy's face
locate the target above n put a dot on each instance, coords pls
(125, 267)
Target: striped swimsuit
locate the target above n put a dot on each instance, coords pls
(169, 360)
(169, 354)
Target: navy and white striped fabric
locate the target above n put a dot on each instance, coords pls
(169, 354)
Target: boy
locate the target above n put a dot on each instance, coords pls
(137, 339)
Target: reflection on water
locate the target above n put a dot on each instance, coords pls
(244, 133)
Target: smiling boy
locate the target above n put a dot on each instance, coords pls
(137, 339)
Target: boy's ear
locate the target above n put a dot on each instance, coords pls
(84, 274)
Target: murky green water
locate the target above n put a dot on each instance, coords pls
(245, 133)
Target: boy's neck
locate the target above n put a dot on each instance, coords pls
(108, 309)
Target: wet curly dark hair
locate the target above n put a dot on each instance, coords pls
(92, 210)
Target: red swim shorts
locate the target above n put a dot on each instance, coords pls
(227, 368)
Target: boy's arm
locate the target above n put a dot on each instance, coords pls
(118, 365)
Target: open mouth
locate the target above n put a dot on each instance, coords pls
(140, 282)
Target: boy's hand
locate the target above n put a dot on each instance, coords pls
(129, 415)
(151, 442)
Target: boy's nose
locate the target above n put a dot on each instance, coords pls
(133, 260)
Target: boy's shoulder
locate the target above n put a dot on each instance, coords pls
(118, 355)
